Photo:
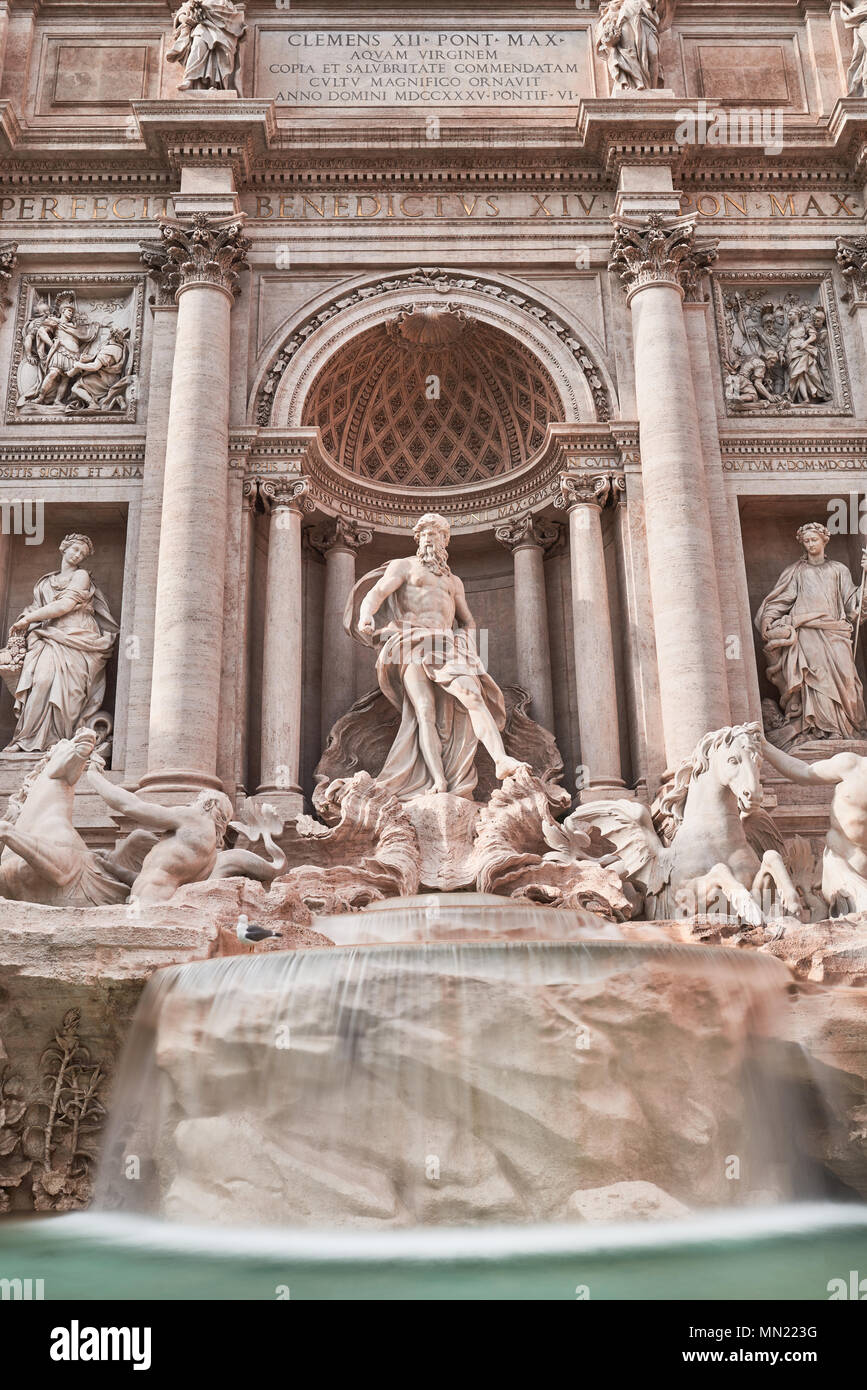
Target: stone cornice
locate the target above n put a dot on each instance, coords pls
(762, 455)
(207, 129)
(71, 461)
(595, 449)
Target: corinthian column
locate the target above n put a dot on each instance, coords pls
(584, 497)
(203, 258)
(339, 544)
(528, 539)
(658, 262)
(287, 500)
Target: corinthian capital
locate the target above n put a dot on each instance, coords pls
(8, 259)
(204, 250)
(286, 494)
(163, 272)
(528, 530)
(657, 251)
(852, 260)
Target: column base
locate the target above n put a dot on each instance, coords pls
(176, 785)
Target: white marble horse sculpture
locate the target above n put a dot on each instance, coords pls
(710, 861)
(43, 859)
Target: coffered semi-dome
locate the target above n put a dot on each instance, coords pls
(432, 398)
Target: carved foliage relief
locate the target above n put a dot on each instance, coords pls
(781, 347)
(50, 1129)
(76, 349)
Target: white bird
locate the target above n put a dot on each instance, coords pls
(251, 932)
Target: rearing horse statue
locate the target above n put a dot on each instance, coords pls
(44, 859)
(710, 861)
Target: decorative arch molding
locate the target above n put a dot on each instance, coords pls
(279, 395)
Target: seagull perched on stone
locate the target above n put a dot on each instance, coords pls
(251, 932)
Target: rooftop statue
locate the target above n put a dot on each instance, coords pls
(429, 669)
(627, 34)
(854, 16)
(207, 40)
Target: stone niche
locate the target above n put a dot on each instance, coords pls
(768, 527)
(71, 319)
(106, 524)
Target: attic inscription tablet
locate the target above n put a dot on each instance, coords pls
(424, 68)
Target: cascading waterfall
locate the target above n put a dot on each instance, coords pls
(471, 1061)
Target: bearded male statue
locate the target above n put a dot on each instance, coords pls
(429, 669)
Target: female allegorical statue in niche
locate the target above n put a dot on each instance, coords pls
(70, 636)
(206, 39)
(806, 623)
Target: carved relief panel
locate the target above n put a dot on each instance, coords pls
(780, 344)
(76, 349)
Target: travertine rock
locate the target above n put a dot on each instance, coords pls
(625, 1201)
(453, 1083)
(445, 827)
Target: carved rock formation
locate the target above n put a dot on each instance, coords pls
(366, 850)
(522, 852)
(491, 1033)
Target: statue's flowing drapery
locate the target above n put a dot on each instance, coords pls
(854, 16)
(209, 49)
(814, 668)
(444, 657)
(633, 61)
(62, 682)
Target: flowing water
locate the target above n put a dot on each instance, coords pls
(455, 1069)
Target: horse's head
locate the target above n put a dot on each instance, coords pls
(67, 759)
(735, 758)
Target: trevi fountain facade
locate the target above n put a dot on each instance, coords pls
(433, 483)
